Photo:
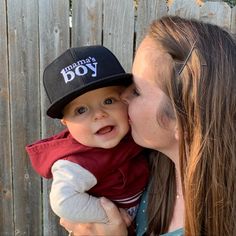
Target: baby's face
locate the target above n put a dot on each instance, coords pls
(98, 118)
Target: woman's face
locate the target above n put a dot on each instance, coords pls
(150, 127)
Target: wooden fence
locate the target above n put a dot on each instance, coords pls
(32, 34)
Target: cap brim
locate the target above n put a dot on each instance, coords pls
(55, 109)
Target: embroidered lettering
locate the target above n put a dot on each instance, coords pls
(80, 68)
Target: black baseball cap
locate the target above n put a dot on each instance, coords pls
(79, 70)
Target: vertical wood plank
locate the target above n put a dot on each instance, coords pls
(233, 20)
(54, 40)
(86, 22)
(118, 30)
(6, 194)
(218, 13)
(183, 8)
(25, 112)
(148, 10)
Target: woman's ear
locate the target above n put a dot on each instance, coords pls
(63, 122)
(176, 132)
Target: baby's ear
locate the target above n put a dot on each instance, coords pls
(63, 122)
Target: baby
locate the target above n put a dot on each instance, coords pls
(96, 155)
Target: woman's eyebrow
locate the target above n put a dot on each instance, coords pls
(137, 86)
(133, 81)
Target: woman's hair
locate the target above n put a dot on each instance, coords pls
(202, 89)
(162, 193)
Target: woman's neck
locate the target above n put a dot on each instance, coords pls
(177, 221)
(178, 182)
(173, 154)
(178, 215)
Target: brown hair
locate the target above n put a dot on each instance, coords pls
(202, 89)
(161, 194)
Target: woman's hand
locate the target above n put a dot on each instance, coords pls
(117, 223)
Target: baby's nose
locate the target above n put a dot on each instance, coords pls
(99, 114)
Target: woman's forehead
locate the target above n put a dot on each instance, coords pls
(150, 50)
(151, 61)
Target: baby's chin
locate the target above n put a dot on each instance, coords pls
(105, 145)
(108, 145)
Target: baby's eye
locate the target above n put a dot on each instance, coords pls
(80, 110)
(109, 101)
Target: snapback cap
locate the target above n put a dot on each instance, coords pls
(79, 70)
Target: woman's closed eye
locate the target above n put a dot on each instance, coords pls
(135, 92)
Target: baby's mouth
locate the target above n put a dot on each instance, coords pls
(105, 130)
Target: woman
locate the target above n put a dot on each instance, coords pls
(183, 105)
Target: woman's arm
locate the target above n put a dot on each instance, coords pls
(117, 223)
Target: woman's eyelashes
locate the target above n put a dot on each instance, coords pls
(135, 92)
